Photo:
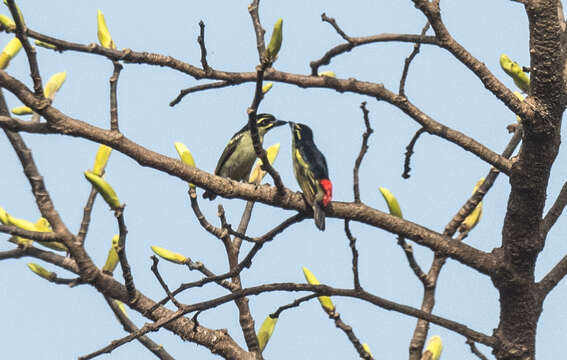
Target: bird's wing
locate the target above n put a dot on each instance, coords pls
(316, 161)
(229, 150)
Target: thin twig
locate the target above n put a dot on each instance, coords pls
(82, 234)
(336, 26)
(121, 251)
(365, 40)
(113, 97)
(409, 152)
(408, 250)
(245, 316)
(252, 110)
(32, 235)
(214, 85)
(155, 270)
(129, 326)
(555, 211)
(253, 9)
(21, 33)
(295, 303)
(347, 329)
(352, 244)
(201, 41)
(408, 61)
(475, 351)
(363, 150)
(245, 263)
(477, 197)
(217, 232)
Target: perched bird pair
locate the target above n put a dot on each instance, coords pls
(309, 164)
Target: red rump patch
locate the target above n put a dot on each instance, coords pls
(328, 188)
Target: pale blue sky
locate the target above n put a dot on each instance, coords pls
(45, 321)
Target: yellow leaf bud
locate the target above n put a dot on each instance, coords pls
(185, 156)
(7, 22)
(41, 271)
(275, 42)
(169, 255)
(54, 84)
(46, 45)
(20, 15)
(393, 205)
(514, 70)
(104, 189)
(325, 301)
(22, 110)
(258, 174)
(330, 74)
(266, 331)
(267, 87)
(10, 50)
(103, 34)
(474, 217)
(434, 348)
(101, 159)
(112, 258)
(367, 349)
(4, 217)
(121, 306)
(21, 223)
(43, 225)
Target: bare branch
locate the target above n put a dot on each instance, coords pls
(555, 211)
(113, 99)
(21, 33)
(295, 303)
(260, 152)
(409, 152)
(351, 85)
(214, 85)
(12, 124)
(337, 28)
(408, 250)
(33, 235)
(408, 61)
(352, 244)
(129, 326)
(489, 180)
(121, 251)
(491, 82)
(258, 30)
(553, 277)
(475, 351)
(82, 234)
(201, 41)
(363, 150)
(479, 260)
(164, 286)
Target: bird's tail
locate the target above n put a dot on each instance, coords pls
(319, 216)
(209, 195)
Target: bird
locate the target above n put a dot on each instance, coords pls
(310, 170)
(239, 155)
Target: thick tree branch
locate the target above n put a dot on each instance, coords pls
(342, 85)
(479, 260)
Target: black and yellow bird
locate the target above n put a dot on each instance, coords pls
(238, 156)
(310, 169)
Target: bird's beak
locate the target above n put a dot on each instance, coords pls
(279, 123)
